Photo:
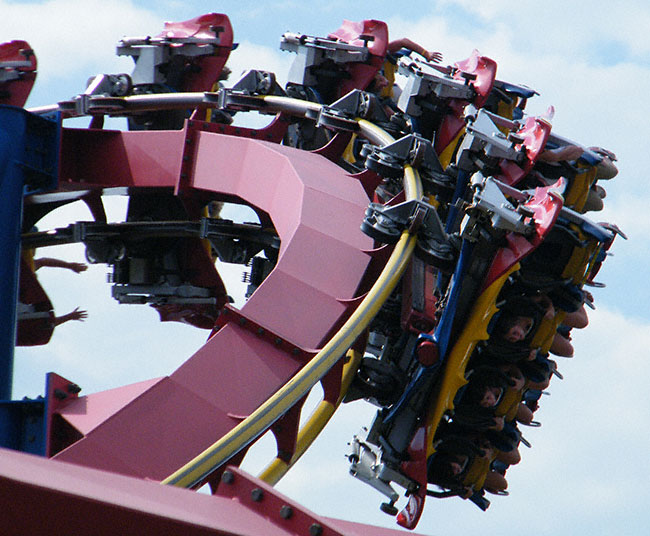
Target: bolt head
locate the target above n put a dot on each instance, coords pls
(227, 477)
(286, 512)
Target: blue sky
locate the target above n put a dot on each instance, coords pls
(587, 471)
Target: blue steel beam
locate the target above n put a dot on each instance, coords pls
(28, 162)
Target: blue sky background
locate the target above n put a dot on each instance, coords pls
(588, 469)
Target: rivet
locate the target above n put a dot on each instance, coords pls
(227, 477)
(257, 495)
(316, 529)
(286, 512)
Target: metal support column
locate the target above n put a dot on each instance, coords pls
(28, 161)
(12, 136)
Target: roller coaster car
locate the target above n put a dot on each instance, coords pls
(582, 172)
(440, 386)
(175, 272)
(482, 244)
(435, 97)
(484, 151)
(508, 156)
(17, 72)
(508, 100)
(163, 255)
(401, 437)
(328, 68)
(185, 57)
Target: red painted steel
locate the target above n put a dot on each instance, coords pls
(545, 204)
(535, 132)
(203, 71)
(59, 392)
(315, 208)
(361, 74)
(18, 59)
(78, 500)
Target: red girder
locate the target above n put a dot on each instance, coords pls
(315, 208)
(88, 501)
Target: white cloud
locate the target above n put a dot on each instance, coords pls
(556, 25)
(251, 56)
(75, 37)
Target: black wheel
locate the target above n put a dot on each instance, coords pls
(440, 256)
(379, 380)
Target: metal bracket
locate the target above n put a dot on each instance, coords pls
(256, 82)
(484, 140)
(85, 104)
(387, 223)
(366, 464)
(341, 114)
(243, 96)
(162, 294)
(9, 70)
(389, 161)
(335, 119)
(489, 199)
(113, 85)
(149, 53)
(238, 101)
(313, 51)
(425, 80)
(106, 242)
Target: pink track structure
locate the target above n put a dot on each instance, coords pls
(361, 277)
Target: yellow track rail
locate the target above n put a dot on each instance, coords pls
(198, 469)
(322, 414)
(317, 421)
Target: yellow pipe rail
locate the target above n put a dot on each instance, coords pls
(317, 421)
(322, 414)
(198, 469)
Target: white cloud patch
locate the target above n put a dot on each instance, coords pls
(570, 26)
(76, 37)
(251, 56)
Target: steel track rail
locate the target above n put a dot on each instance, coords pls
(199, 469)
